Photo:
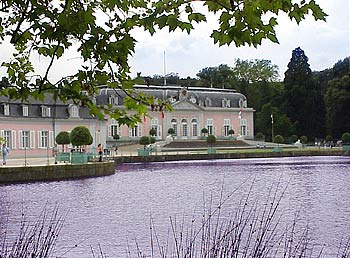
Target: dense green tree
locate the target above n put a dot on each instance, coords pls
(346, 138)
(278, 139)
(281, 123)
(303, 98)
(216, 77)
(257, 70)
(63, 138)
(337, 99)
(80, 135)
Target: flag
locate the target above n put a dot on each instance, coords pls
(163, 115)
(144, 119)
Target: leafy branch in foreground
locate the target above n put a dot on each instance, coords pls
(102, 34)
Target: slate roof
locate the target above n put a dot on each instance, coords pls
(167, 92)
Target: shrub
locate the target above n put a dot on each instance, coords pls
(231, 132)
(278, 139)
(211, 139)
(153, 132)
(329, 138)
(63, 138)
(171, 131)
(346, 138)
(260, 136)
(204, 131)
(116, 137)
(303, 139)
(80, 136)
(294, 138)
(145, 140)
(153, 140)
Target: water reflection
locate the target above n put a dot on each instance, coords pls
(116, 210)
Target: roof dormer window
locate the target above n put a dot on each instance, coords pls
(73, 111)
(208, 102)
(25, 111)
(6, 109)
(45, 111)
(113, 100)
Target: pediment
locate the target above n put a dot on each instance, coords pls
(185, 105)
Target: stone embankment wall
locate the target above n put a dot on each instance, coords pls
(55, 172)
(178, 157)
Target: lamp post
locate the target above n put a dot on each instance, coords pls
(272, 132)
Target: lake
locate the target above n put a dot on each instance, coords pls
(115, 213)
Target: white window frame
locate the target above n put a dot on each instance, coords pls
(114, 128)
(26, 139)
(210, 126)
(226, 127)
(6, 109)
(43, 139)
(25, 110)
(73, 111)
(174, 125)
(45, 111)
(135, 132)
(194, 124)
(243, 127)
(184, 128)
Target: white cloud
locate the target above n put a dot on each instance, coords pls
(323, 42)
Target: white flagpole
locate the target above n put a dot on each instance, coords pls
(164, 69)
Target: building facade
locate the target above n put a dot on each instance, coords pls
(30, 128)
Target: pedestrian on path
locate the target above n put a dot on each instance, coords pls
(99, 151)
(4, 152)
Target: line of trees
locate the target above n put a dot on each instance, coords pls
(307, 103)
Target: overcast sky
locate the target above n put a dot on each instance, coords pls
(323, 42)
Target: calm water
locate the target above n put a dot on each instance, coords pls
(115, 211)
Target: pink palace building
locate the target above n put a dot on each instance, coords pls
(29, 128)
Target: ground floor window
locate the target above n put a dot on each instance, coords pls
(43, 137)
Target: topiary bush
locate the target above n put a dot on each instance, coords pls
(145, 140)
(116, 137)
(278, 139)
(294, 138)
(153, 132)
(231, 132)
(63, 138)
(346, 138)
(260, 136)
(80, 136)
(211, 139)
(171, 131)
(303, 139)
(204, 131)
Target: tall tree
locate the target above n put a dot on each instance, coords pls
(216, 77)
(337, 99)
(102, 34)
(257, 70)
(303, 98)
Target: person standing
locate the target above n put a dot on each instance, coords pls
(99, 151)
(4, 152)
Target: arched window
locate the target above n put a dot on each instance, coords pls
(194, 123)
(73, 111)
(184, 127)
(113, 100)
(208, 102)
